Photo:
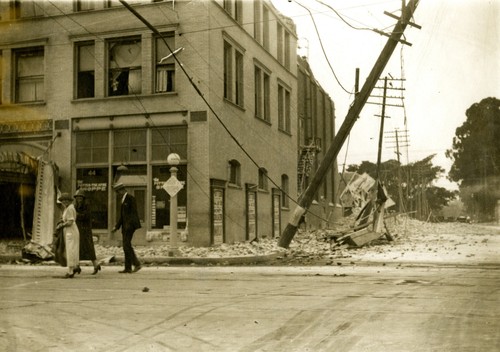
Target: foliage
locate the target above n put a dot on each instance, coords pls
(476, 158)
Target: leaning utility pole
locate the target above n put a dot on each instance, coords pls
(306, 198)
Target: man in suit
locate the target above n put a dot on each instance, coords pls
(129, 222)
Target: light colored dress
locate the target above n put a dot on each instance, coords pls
(72, 237)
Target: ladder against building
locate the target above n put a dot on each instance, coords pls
(306, 161)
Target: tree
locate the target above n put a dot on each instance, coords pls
(476, 158)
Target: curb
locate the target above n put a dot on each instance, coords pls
(244, 260)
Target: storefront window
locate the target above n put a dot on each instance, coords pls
(92, 147)
(160, 210)
(94, 181)
(169, 140)
(130, 145)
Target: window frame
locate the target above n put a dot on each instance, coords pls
(285, 189)
(263, 184)
(233, 73)
(38, 80)
(284, 110)
(234, 172)
(80, 73)
(169, 66)
(262, 93)
(112, 79)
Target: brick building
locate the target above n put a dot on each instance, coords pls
(316, 129)
(90, 95)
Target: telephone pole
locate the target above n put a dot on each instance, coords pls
(306, 198)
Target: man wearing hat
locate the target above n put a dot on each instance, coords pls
(129, 222)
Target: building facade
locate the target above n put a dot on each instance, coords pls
(315, 133)
(89, 88)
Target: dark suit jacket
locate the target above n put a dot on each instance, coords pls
(129, 218)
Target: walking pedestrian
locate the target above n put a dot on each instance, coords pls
(84, 223)
(129, 222)
(71, 235)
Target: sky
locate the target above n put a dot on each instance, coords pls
(453, 62)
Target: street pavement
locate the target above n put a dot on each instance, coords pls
(387, 307)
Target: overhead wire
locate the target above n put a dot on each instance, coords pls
(143, 108)
(323, 48)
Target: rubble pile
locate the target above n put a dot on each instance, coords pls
(254, 248)
(413, 240)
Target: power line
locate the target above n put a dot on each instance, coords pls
(323, 49)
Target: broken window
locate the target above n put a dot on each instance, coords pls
(165, 63)
(129, 146)
(125, 59)
(30, 75)
(86, 72)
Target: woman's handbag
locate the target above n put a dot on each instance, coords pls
(59, 247)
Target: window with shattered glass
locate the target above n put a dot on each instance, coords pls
(124, 67)
(165, 63)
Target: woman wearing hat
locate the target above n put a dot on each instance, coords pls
(71, 235)
(84, 223)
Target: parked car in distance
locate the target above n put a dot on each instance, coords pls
(464, 218)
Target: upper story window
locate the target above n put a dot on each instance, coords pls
(257, 20)
(85, 70)
(124, 66)
(234, 172)
(265, 28)
(263, 185)
(286, 49)
(233, 74)
(165, 63)
(235, 9)
(29, 75)
(284, 123)
(262, 94)
(283, 45)
(26, 8)
(279, 37)
(284, 191)
(85, 5)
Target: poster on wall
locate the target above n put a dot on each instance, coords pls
(217, 216)
(251, 215)
(276, 213)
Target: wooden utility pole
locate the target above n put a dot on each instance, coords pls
(306, 198)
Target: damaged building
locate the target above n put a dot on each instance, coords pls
(91, 96)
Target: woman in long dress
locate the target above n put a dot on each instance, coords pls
(71, 235)
(84, 223)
